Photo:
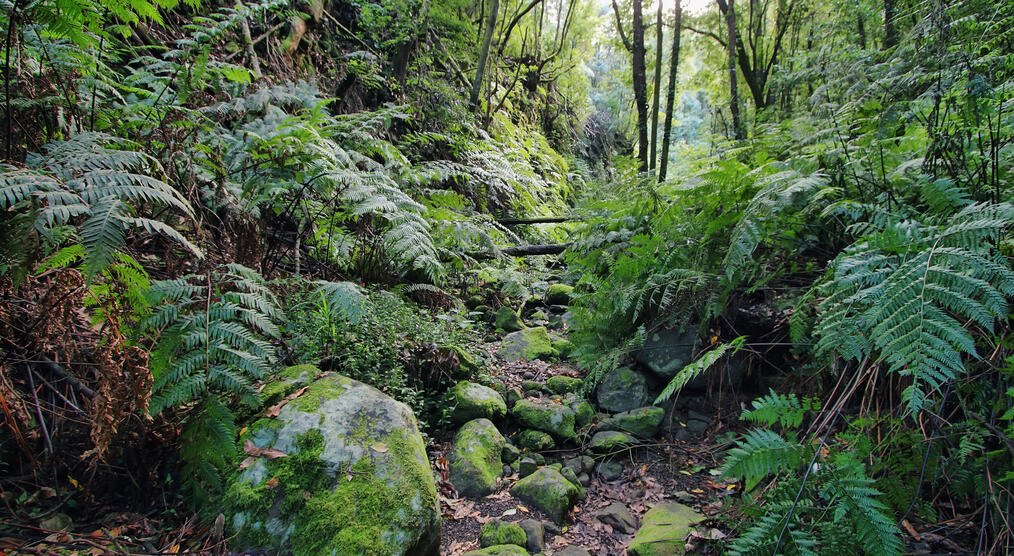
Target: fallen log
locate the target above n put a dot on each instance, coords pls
(543, 220)
(524, 251)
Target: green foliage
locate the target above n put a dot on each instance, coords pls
(785, 410)
(208, 450)
(692, 370)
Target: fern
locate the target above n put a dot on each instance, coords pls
(207, 451)
(341, 300)
(786, 410)
(763, 452)
(211, 341)
(692, 370)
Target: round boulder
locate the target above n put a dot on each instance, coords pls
(475, 401)
(623, 389)
(475, 460)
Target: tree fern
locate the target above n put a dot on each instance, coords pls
(786, 410)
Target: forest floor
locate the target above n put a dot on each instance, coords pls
(660, 470)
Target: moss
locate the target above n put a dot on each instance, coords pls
(475, 401)
(535, 441)
(643, 421)
(562, 384)
(327, 388)
(498, 532)
(287, 381)
(564, 347)
(467, 365)
(554, 418)
(663, 529)
(530, 344)
(507, 319)
(499, 550)
(475, 459)
(583, 412)
(609, 441)
(548, 491)
(559, 294)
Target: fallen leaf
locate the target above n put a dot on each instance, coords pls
(522, 508)
(250, 448)
(271, 483)
(510, 511)
(274, 410)
(379, 447)
(247, 462)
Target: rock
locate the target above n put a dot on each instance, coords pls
(390, 504)
(475, 458)
(610, 441)
(623, 389)
(510, 453)
(498, 532)
(535, 441)
(475, 401)
(57, 522)
(539, 316)
(584, 479)
(545, 415)
(547, 491)
(474, 301)
(538, 458)
(513, 395)
(286, 382)
(617, 516)
(574, 464)
(609, 470)
(535, 535)
(557, 309)
(583, 411)
(667, 351)
(663, 529)
(563, 384)
(563, 347)
(697, 427)
(572, 477)
(529, 344)
(499, 550)
(573, 550)
(643, 422)
(559, 294)
(526, 467)
(467, 365)
(531, 386)
(507, 319)
(552, 528)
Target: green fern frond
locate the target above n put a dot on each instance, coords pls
(786, 410)
(692, 370)
(763, 452)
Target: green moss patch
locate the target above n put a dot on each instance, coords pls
(563, 384)
(475, 460)
(547, 416)
(559, 294)
(529, 344)
(663, 529)
(498, 532)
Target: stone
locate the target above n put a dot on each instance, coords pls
(643, 421)
(697, 427)
(609, 470)
(622, 389)
(574, 464)
(286, 382)
(57, 522)
(538, 458)
(535, 535)
(584, 479)
(539, 316)
(617, 516)
(467, 365)
(572, 550)
(572, 477)
(475, 458)
(507, 319)
(545, 415)
(499, 550)
(475, 401)
(667, 351)
(513, 395)
(559, 294)
(563, 347)
(535, 441)
(510, 453)
(474, 301)
(337, 424)
(547, 491)
(527, 467)
(563, 384)
(663, 529)
(499, 532)
(610, 441)
(531, 386)
(528, 344)
(583, 411)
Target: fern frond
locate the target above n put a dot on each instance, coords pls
(763, 452)
(785, 409)
(692, 370)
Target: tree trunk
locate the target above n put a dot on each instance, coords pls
(737, 124)
(640, 86)
(494, 7)
(658, 84)
(890, 33)
(670, 97)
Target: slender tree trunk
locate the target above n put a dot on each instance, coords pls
(890, 33)
(487, 39)
(640, 86)
(670, 97)
(737, 124)
(658, 85)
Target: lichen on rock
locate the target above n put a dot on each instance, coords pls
(475, 460)
(663, 529)
(528, 344)
(545, 415)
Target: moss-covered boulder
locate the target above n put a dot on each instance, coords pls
(563, 384)
(499, 550)
(563, 347)
(643, 421)
(475, 401)
(467, 366)
(622, 389)
(475, 460)
(663, 529)
(610, 441)
(667, 351)
(545, 415)
(498, 532)
(535, 441)
(286, 382)
(507, 319)
(547, 491)
(529, 344)
(583, 411)
(559, 294)
(342, 469)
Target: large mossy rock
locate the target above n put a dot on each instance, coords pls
(545, 415)
(622, 389)
(667, 351)
(499, 550)
(529, 344)
(286, 382)
(563, 384)
(547, 491)
(508, 320)
(342, 469)
(475, 460)
(498, 532)
(475, 401)
(663, 529)
(610, 441)
(559, 294)
(643, 421)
